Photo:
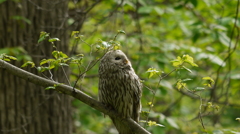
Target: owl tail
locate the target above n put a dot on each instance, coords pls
(122, 128)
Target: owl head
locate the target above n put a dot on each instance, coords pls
(115, 60)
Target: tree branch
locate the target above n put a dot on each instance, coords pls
(68, 90)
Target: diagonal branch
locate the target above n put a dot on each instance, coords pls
(68, 90)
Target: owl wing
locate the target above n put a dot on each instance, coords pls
(137, 99)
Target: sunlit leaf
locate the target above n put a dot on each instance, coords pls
(189, 60)
(151, 123)
(53, 39)
(150, 104)
(55, 54)
(29, 63)
(6, 57)
(11, 57)
(45, 61)
(180, 84)
(177, 62)
(74, 33)
(152, 71)
(63, 55)
(209, 80)
(59, 54)
(209, 104)
(80, 55)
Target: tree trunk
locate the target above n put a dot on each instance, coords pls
(25, 107)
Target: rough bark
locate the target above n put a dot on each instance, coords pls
(25, 107)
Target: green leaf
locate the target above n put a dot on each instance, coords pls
(198, 89)
(11, 57)
(53, 65)
(7, 57)
(106, 44)
(187, 79)
(235, 76)
(74, 33)
(151, 123)
(172, 123)
(98, 46)
(29, 63)
(213, 58)
(21, 18)
(224, 39)
(144, 113)
(177, 62)
(166, 84)
(189, 70)
(59, 54)
(160, 125)
(80, 55)
(62, 55)
(152, 72)
(63, 64)
(158, 10)
(194, 2)
(189, 60)
(53, 39)
(55, 54)
(180, 84)
(53, 87)
(42, 69)
(121, 31)
(50, 87)
(44, 61)
(150, 104)
(43, 36)
(145, 10)
(210, 81)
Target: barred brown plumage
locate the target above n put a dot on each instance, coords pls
(120, 88)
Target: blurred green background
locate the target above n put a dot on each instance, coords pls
(157, 31)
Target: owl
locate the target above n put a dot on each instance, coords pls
(120, 88)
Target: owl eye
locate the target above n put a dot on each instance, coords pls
(117, 58)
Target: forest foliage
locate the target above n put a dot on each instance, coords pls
(200, 97)
(157, 32)
(186, 53)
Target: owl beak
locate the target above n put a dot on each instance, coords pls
(125, 61)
